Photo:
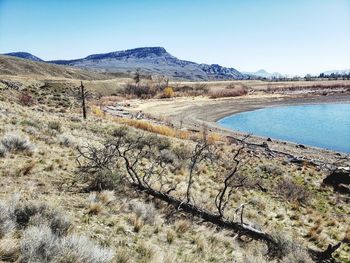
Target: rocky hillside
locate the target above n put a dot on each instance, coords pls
(152, 60)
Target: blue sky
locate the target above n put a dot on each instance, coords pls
(293, 37)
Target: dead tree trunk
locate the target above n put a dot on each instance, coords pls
(83, 99)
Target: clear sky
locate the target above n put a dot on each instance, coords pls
(289, 36)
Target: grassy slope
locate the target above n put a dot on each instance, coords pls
(175, 239)
(22, 67)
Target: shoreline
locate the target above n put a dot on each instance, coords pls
(194, 113)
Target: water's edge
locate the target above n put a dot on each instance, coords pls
(223, 122)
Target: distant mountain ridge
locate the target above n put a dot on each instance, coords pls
(150, 60)
(24, 55)
(264, 74)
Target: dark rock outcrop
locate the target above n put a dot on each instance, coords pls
(339, 179)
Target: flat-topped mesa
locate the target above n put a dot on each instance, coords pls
(152, 61)
(141, 52)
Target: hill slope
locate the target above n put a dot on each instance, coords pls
(24, 55)
(24, 67)
(153, 60)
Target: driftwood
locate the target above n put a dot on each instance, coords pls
(291, 158)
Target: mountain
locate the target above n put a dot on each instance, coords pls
(264, 74)
(24, 55)
(339, 72)
(152, 60)
(14, 66)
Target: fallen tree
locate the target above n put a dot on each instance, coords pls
(148, 160)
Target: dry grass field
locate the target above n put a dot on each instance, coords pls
(38, 166)
(52, 212)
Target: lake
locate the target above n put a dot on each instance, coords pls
(322, 125)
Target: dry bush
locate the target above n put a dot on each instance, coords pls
(346, 238)
(39, 244)
(81, 249)
(106, 197)
(145, 252)
(291, 191)
(3, 150)
(146, 212)
(98, 200)
(147, 126)
(97, 111)
(101, 180)
(271, 169)
(170, 236)
(198, 90)
(9, 249)
(66, 140)
(44, 236)
(182, 227)
(141, 91)
(95, 208)
(168, 92)
(231, 92)
(7, 224)
(54, 125)
(15, 143)
(25, 99)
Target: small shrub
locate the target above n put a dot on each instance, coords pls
(54, 125)
(16, 143)
(346, 238)
(170, 236)
(3, 150)
(95, 208)
(9, 249)
(106, 197)
(271, 169)
(25, 99)
(182, 227)
(137, 223)
(31, 130)
(39, 244)
(292, 192)
(66, 140)
(145, 252)
(168, 92)
(44, 238)
(81, 249)
(103, 180)
(145, 211)
(7, 225)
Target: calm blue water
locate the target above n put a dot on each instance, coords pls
(324, 125)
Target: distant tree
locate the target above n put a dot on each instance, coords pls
(308, 77)
(137, 77)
